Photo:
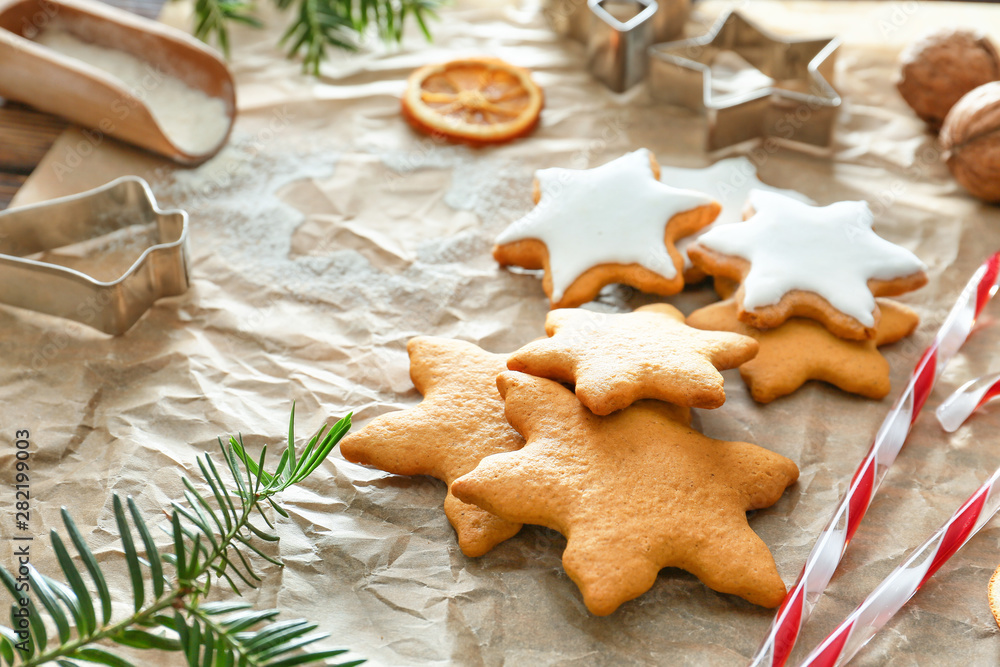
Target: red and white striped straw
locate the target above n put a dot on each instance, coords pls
(971, 396)
(903, 583)
(832, 542)
(896, 589)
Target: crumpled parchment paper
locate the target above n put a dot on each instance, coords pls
(328, 233)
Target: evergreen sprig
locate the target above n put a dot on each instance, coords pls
(317, 25)
(212, 18)
(212, 537)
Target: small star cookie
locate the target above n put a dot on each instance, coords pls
(801, 350)
(821, 262)
(633, 493)
(460, 421)
(729, 181)
(615, 360)
(616, 223)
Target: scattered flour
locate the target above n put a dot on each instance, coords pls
(239, 212)
(192, 120)
(248, 202)
(496, 190)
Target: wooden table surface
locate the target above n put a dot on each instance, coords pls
(26, 134)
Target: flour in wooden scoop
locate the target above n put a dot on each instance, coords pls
(191, 120)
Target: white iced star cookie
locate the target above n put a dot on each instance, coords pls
(729, 182)
(796, 260)
(616, 223)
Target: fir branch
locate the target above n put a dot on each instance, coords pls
(213, 536)
(212, 19)
(317, 25)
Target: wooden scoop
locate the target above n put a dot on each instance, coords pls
(88, 96)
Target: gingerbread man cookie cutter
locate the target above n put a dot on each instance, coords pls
(161, 270)
(799, 105)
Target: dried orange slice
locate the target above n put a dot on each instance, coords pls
(994, 593)
(474, 100)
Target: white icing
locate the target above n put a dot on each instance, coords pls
(616, 213)
(729, 182)
(830, 250)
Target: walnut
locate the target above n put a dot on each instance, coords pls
(942, 66)
(970, 138)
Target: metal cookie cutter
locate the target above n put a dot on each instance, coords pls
(617, 33)
(112, 307)
(616, 49)
(572, 19)
(797, 105)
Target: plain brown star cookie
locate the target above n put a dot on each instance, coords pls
(801, 350)
(617, 359)
(460, 420)
(633, 492)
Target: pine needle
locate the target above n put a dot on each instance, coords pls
(205, 530)
(317, 26)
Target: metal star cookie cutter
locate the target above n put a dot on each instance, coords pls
(109, 306)
(800, 105)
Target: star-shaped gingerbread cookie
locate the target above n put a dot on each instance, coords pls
(616, 223)
(633, 492)
(801, 350)
(460, 420)
(797, 260)
(729, 181)
(616, 359)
